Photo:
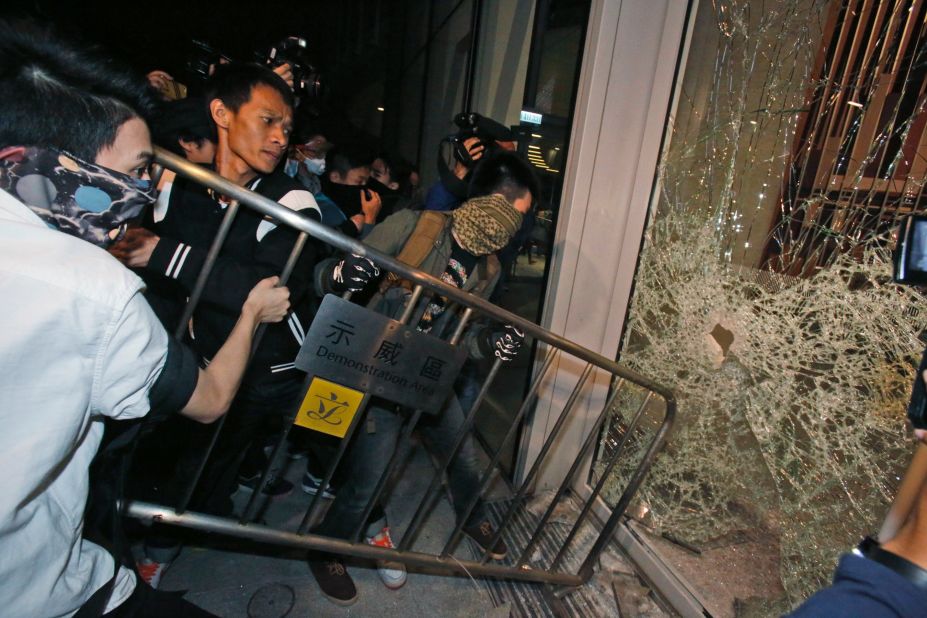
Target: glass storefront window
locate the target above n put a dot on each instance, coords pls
(764, 294)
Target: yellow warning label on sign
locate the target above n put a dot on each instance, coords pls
(329, 407)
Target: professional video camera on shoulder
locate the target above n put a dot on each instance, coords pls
(476, 135)
(487, 131)
(910, 268)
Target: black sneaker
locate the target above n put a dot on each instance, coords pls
(333, 579)
(275, 488)
(482, 533)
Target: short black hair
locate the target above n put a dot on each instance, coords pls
(343, 159)
(506, 173)
(233, 83)
(185, 119)
(56, 94)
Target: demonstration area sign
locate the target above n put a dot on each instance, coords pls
(363, 350)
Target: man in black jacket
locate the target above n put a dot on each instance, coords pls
(252, 109)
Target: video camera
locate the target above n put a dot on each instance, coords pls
(486, 130)
(203, 60)
(307, 81)
(471, 125)
(910, 259)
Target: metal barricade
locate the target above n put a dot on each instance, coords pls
(553, 347)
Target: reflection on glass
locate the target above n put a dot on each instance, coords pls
(549, 95)
(763, 294)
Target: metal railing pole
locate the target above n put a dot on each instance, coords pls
(536, 466)
(316, 504)
(487, 474)
(407, 430)
(567, 482)
(288, 268)
(585, 571)
(438, 477)
(211, 256)
(601, 483)
(266, 535)
(157, 170)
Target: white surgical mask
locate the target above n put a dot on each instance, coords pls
(315, 166)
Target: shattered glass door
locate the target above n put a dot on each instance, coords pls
(764, 296)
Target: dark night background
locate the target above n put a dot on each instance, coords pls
(348, 40)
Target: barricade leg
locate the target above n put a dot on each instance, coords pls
(536, 466)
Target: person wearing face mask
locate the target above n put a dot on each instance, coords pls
(78, 342)
(306, 159)
(385, 177)
(346, 202)
(460, 253)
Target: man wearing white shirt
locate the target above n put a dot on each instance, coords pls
(78, 342)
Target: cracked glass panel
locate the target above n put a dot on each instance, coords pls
(764, 296)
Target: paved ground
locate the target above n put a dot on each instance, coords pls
(224, 576)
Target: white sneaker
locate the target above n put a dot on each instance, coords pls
(151, 571)
(392, 574)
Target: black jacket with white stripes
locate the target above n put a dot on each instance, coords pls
(187, 218)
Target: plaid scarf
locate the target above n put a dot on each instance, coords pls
(483, 225)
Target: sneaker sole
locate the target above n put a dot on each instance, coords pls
(341, 602)
(393, 586)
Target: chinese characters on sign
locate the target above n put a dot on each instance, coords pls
(432, 368)
(328, 407)
(341, 331)
(388, 352)
(358, 349)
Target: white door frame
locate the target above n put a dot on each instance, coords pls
(632, 69)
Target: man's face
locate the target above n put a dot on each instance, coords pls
(356, 176)
(259, 131)
(380, 172)
(130, 152)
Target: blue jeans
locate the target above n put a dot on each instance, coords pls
(375, 441)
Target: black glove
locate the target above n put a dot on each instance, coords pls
(353, 273)
(506, 342)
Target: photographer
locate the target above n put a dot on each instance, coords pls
(81, 343)
(478, 137)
